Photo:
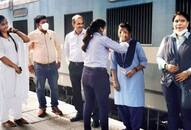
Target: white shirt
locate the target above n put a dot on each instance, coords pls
(72, 47)
(179, 40)
(98, 50)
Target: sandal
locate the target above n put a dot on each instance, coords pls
(8, 124)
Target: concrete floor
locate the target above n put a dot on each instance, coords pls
(52, 122)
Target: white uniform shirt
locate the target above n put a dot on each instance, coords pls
(72, 47)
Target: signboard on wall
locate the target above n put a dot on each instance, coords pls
(20, 12)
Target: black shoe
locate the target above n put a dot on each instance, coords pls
(95, 124)
(78, 117)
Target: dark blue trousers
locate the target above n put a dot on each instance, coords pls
(175, 112)
(49, 72)
(132, 117)
(96, 88)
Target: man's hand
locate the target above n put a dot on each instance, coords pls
(31, 68)
(58, 64)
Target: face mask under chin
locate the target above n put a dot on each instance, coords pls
(180, 33)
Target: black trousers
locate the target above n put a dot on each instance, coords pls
(75, 72)
(175, 112)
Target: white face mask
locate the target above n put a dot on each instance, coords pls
(45, 26)
(180, 33)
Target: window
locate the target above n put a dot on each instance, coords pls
(138, 16)
(184, 5)
(88, 16)
(21, 25)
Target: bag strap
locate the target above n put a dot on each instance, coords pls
(175, 50)
(16, 48)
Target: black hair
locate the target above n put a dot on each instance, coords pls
(127, 26)
(1, 20)
(38, 18)
(94, 27)
(185, 15)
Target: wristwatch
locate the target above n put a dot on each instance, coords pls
(165, 66)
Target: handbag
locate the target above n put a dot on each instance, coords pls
(185, 96)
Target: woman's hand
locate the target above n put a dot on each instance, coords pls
(171, 68)
(18, 69)
(131, 73)
(116, 85)
(182, 76)
(13, 30)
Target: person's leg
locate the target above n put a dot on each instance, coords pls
(17, 109)
(124, 115)
(17, 113)
(75, 72)
(40, 85)
(136, 117)
(172, 96)
(52, 76)
(89, 100)
(101, 87)
(4, 112)
(95, 116)
(186, 119)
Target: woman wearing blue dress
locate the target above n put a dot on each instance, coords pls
(128, 80)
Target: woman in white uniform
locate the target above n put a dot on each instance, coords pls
(13, 70)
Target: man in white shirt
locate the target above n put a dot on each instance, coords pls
(75, 58)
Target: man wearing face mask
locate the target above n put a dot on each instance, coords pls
(44, 61)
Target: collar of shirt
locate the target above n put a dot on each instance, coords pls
(98, 34)
(82, 33)
(40, 32)
(186, 35)
(180, 39)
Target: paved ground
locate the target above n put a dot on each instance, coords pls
(52, 122)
